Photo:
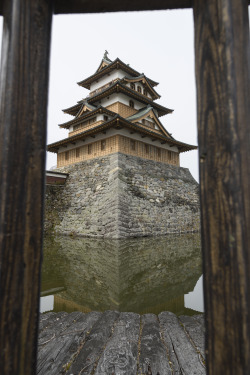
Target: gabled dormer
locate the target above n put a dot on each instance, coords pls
(147, 117)
(142, 85)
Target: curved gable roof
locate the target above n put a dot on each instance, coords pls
(145, 81)
(116, 64)
(144, 113)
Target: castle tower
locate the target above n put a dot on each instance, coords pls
(119, 115)
(120, 164)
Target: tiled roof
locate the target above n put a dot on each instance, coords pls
(116, 64)
(140, 113)
(119, 121)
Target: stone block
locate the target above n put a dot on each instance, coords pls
(121, 196)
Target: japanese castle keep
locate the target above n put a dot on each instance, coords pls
(123, 173)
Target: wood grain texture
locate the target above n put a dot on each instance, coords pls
(189, 359)
(59, 349)
(93, 348)
(222, 79)
(97, 6)
(121, 352)
(23, 103)
(196, 332)
(153, 355)
(115, 343)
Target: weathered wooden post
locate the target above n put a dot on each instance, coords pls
(222, 78)
(23, 103)
(222, 75)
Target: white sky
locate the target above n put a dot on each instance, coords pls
(159, 44)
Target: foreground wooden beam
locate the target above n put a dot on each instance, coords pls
(222, 78)
(94, 6)
(100, 6)
(23, 103)
(97, 6)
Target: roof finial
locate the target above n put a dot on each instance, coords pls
(105, 56)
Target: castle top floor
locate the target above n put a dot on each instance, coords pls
(110, 72)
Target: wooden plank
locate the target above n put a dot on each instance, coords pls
(196, 332)
(200, 319)
(96, 341)
(188, 358)
(57, 325)
(57, 354)
(121, 351)
(48, 319)
(23, 108)
(153, 355)
(52, 291)
(222, 78)
(83, 6)
(97, 6)
(173, 361)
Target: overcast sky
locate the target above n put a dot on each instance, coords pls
(159, 44)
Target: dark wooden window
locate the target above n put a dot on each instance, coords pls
(145, 92)
(77, 152)
(147, 149)
(170, 155)
(103, 145)
(132, 145)
(158, 152)
(131, 104)
(67, 155)
(105, 118)
(132, 86)
(89, 149)
(139, 89)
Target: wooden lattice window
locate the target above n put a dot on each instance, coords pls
(131, 104)
(78, 152)
(103, 145)
(89, 149)
(132, 145)
(139, 89)
(132, 86)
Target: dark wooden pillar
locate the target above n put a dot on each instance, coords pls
(23, 103)
(222, 78)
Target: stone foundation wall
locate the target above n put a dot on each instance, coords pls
(120, 195)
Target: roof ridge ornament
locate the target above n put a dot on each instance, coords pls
(105, 55)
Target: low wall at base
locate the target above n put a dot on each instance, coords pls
(120, 196)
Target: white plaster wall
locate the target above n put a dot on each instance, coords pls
(107, 78)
